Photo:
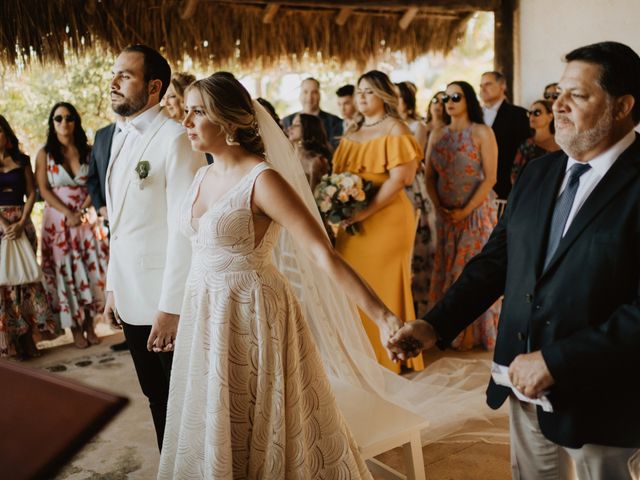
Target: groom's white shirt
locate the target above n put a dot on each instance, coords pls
(149, 258)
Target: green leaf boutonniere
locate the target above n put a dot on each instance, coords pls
(142, 169)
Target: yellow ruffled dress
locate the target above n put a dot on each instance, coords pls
(381, 251)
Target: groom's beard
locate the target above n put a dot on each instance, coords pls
(131, 105)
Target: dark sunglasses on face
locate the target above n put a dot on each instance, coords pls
(549, 95)
(534, 113)
(455, 98)
(68, 118)
(436, 100)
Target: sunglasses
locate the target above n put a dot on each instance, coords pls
(548, 95)
(435, 100)
(68, 118)
(455, 98)
(534, 113)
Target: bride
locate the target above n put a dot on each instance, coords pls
(249, 396)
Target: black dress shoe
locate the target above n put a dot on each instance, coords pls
(119, 347)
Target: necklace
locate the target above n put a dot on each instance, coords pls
(373, 124)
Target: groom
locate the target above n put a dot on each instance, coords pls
(151, 167)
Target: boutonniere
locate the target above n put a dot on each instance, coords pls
(142, 170)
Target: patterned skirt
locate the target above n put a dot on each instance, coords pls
(23, 308)
(457, 243)
(425, 244)
(74, 261)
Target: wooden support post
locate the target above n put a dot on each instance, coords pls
(189, 9)
(270, 12)
(343, 15)
(408, 17)
(503, 45)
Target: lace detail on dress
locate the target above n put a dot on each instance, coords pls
(249, 397)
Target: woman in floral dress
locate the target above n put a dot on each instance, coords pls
(74, 251)
(462, 161)
(25, 316)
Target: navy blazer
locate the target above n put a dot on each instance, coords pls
(100, 154)
(582, 312)
(511, 128)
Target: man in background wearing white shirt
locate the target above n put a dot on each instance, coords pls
(509, 123)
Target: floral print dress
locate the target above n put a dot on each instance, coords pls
(458, 164)
(23, 308)
(74, 259)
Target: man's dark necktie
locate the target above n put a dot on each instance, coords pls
(563, 208)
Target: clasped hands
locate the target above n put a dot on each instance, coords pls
(409, 340)
(12, 231)
(163, 330)
(528, 372)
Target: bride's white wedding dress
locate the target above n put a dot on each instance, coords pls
(249, 397)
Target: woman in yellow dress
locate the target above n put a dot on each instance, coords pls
(380, 148)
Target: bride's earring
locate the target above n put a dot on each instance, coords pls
(230, 140)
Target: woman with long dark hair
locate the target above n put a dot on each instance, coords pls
(462, 161)
(311, 144)
(542, 140)
(407, 109)
(24, 312)
(380, 147)
(74, 252)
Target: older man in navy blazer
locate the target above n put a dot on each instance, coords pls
(566, 257)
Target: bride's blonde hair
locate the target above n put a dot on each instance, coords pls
(228, 104)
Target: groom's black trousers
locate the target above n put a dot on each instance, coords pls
(154, 370)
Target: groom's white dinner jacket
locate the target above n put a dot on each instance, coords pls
(149, 258)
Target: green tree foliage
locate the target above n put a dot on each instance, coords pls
(27, 95)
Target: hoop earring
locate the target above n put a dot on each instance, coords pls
(231, 141)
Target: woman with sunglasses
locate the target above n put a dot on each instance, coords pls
(24, 311)
(435, 113)
(74, 252)
(551, 92)
(541, 142)
(380, 147)
(462, 161)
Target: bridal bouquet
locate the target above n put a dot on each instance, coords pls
(340, 195)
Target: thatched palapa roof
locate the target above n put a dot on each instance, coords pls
(247, 32)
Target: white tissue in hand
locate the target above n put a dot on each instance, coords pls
(500, 375)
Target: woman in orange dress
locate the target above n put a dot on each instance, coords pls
(380, 148)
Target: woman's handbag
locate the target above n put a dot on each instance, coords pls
(18, 264)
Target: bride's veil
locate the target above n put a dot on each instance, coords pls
(448, 393)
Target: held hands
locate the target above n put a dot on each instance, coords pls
(73, 218)
(411, 339)
(389, 325)
(529, 374)
(103, 213)
(355, 218)
(13, 231)
(454, 215)
(110, 311)
(163, 332)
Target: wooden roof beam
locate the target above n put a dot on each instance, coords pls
(270, 12)
(408, 17)
(189, 9)
(449, 5)
(343, 15)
